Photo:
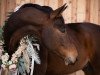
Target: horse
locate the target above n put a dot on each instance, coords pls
(88, 54)
(65, 48)
(10, 33)
(21, 14)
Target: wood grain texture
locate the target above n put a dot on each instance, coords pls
(74, 11)
(87, 16)
(77, 11)
(81, 10)
(99, 12)
(3, 12)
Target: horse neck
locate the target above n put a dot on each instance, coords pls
(72, 37)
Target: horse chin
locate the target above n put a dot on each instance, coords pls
(70, 60)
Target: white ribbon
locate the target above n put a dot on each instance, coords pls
(33, 54)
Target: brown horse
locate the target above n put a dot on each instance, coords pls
(37, 22)
(61, 43)
(88, 54)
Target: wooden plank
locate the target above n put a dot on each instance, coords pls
(91, 11)
(40, 2)
(0, 13)
(67, 12)
(60, 3)
(94, 11)
(22, 2)
(87, 19)
(32, 1)
(53, 4)
(3, 11)
(18, 2)
(74, 11)
(99, 13)
(10, 6)
(81, 10)
(46, 2)
(27, 1)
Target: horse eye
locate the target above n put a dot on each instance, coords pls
(60, 26)
(62, 29)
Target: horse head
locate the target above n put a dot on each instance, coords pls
(48, 26)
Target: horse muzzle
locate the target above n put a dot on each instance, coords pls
(70, 60)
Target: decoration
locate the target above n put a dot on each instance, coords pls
(22, 61)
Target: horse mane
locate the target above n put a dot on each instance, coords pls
(45, 9)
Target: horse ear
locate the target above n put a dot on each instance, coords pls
(58, 11)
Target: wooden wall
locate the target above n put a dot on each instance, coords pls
(77, 11)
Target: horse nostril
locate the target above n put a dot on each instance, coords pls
(70, 60)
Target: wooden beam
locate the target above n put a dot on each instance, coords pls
(3, 12)
(87, 16)
(67, 12)
(53, 4)
(74, 11)
(40, 2)
(99, 13)
(81, 10)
